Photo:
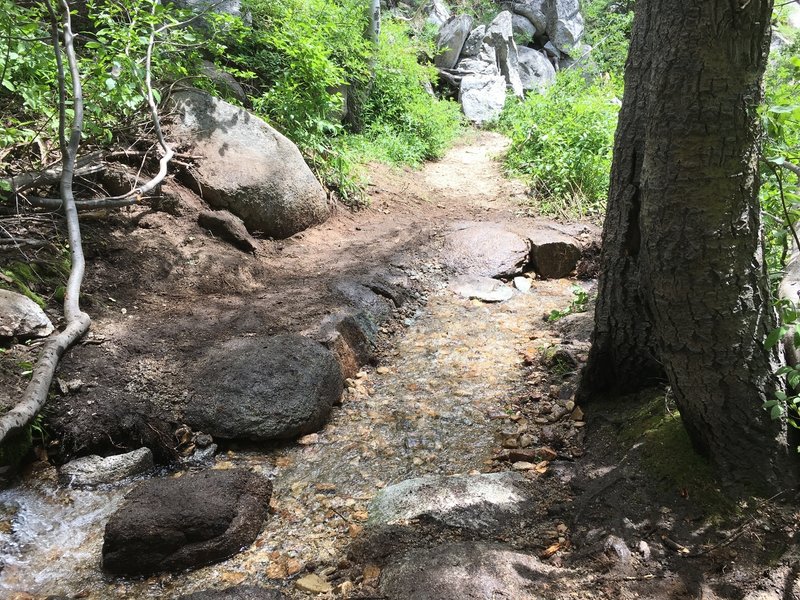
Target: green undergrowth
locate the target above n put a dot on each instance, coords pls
(666, 453)
(562, 144)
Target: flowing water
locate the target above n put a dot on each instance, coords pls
(433, 407)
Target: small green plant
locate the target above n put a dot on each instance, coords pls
(579, 304)
(786, 403)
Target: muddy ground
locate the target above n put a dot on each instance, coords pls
(625, 507)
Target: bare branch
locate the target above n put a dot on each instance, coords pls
(35, 394)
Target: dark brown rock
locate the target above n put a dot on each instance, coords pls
(171, 524)
(263, 389)
(229, 227)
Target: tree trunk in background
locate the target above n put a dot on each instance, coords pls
(684, 280)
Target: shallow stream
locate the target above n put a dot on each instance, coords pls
(432, 407)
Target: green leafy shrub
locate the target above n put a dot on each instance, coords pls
(608, 31)
(562, 144)
(110, 52)
(780, 117)
(404, 124)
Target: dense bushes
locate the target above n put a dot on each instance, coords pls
(403, 122)
(563, 139)
(297, 61)
(562, 142)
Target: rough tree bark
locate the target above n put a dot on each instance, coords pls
(684, 282)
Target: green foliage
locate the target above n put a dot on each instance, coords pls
(579, 304)
(562, 144)
(608, 31)
(404, 123)
(786, 403)
(780, 117)
(111, 55)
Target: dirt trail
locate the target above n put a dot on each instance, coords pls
(461, 384)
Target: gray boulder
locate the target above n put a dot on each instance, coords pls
(436, 12)
(564, 23)
(482, 97)
(489, 501)
(94, 470)
(500, 36)
(264, 388)
(172, 524)
(524, 31)
(534, 11)
(352, 337)
(481, 288)
(451, 40)
(247, 167)
(487, 249)
(468, 571)
(535, 70)
(472, 46)
(22, 317)
(239, 592)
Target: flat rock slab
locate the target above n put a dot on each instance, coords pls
(171, 524)
(265, 388)
(94, 470)
(239, 592)
(480, 502)
(468, 571)
(482, 288)
(486, 249)
(22, 317)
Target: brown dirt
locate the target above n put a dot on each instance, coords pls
(160, 290)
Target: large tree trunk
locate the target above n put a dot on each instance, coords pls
(687, 286)
(623, 357)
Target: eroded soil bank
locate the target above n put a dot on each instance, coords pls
(599, 507)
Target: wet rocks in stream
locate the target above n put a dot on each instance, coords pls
(239, 592)
(265, 388)
(170, 524)
(483, 502)
(485, 249)
(481, 288)
(465, 571)
(94, 470)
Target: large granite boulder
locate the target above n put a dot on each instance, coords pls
(500, 36)
(247, 167)
(487, 249)
(484, 503)
(451, 39)
(171, 524)
(264, 388)
(22, 317)
(239, 592)
(472, 46)
(564, 23)
(534, 11)
(535, 70)
(482, 97)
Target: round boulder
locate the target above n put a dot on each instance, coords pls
(171, 524)
(263, 389)
(247, 167)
